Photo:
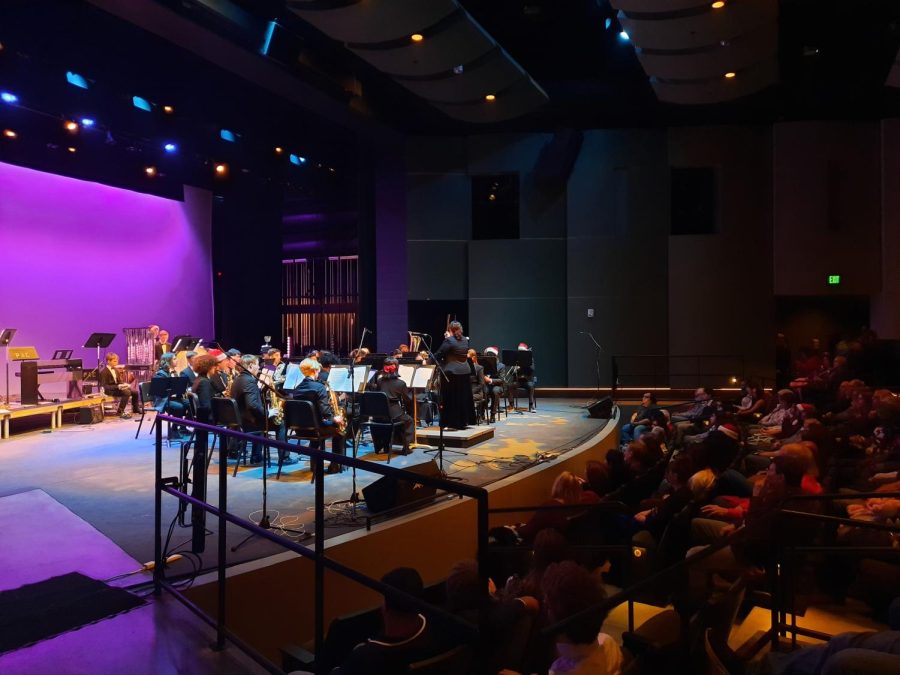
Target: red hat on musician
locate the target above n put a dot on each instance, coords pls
(523, 346)
(492, 350)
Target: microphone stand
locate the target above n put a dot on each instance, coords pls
(440, 448)
(354, 499)
(264, 521)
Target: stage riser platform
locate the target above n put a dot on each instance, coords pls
(465, 438)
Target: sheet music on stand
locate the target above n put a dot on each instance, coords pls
(266, 377)
(292, 376)
(422, 377)
(339, 378)
(406, 373)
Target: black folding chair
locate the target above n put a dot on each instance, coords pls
(144, 395)
(375, 413)
(301, 421)
(228, 416)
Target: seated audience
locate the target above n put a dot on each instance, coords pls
(406, 636)
(581, 646)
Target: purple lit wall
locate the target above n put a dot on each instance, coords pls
(80, 257)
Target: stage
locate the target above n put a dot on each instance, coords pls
(105, 476)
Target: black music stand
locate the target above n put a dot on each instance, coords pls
(440, 448)
(517, 360)
(5, 338)
(167, 387)
(184, 343)
(99, 340)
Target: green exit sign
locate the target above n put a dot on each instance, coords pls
(834, 279)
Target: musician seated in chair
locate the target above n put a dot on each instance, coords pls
(399, 401)
(310, 389)
(495, 384)
(245, 392)
(478, 381)
(112, 385)
(189, 371)
(172, 405)
(525, 378)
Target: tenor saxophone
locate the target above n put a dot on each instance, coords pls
(336, 409)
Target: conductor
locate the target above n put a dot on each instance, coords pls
(456, 391)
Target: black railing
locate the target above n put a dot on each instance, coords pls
(167, 485)
(783, 577)
(689, 371)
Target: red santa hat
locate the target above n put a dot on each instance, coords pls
(492, 350)
(729, 430)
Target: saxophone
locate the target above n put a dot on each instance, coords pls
(276, 408)
(336, 409)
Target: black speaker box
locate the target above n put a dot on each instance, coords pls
(388, 492)
(90, 415)
(601, 409)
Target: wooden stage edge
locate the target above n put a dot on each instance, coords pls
(54, 409)
(270, 600)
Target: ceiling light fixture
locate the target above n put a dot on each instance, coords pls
(730, 75)
(168, 109)
(416, 37)
(490, 97)
(718, 4)
(150, 171)
(9, 133)
(71, 126)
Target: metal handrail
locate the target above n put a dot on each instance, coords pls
(317, 554)
(785, 552)
(615, 360)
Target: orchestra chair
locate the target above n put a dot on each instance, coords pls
(144, 394)
(514, 390)
(375, 412)
(301, 422)
(227, 415)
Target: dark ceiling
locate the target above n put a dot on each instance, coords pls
(833, 58)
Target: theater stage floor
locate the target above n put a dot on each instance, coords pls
(105, 476)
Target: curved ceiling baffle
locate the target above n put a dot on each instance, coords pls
(454, 67)
(686, 47)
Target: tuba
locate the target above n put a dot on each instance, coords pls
(336, 408)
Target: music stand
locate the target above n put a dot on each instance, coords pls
(184, 343)
(517, 360)
(99, 340)
(5, 338)
(440, 448)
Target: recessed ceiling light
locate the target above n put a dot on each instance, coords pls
(9, 133)
(71, 149)
(416, 37)
(71, 126)
(490, 97)
(168, 109)
(729, 75)
(718, 4)
(150, 171)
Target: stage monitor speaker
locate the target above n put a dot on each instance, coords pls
(601, 409)
(90, 415)
(388, 492)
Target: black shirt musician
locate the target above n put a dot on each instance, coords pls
(495, 383)
(113, 385)
(399, 401)
(525, 378)
(457, 405)
(310, 389)
(245, 391)
(477, 381)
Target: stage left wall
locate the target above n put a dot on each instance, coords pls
(81, 257)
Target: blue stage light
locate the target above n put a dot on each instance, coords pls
(607, 23)
(170, 148)
(141, 103)
(295, 159)
(87, 122)
(9, 97)
(76, 79)
(267, 41)
(623, 36)
(226, 135)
